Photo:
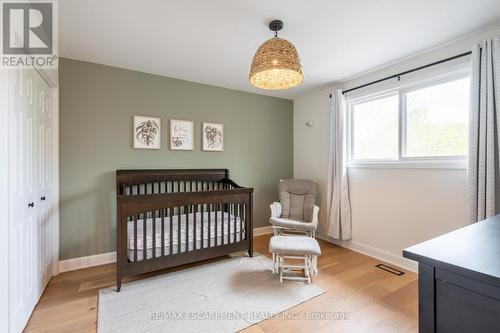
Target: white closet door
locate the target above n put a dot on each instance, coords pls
(44, 165)
(23, 229)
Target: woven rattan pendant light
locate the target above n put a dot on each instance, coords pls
(276, 64)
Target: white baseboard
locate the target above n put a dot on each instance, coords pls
(370, 251)
(262, 231)
(84, 262)
(110, 257)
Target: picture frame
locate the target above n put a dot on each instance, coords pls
(212, 137)
(181, 134)
(146, 132)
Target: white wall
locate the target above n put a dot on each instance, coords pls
(391, 208)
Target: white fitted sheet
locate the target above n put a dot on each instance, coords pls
(231, 223)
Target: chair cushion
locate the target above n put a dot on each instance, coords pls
(294, 245)
(297, 198)
(292, 224)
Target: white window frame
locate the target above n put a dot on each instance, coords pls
(402, 161)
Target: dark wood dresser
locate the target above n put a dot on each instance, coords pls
(459, 280)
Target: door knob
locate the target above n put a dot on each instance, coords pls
(42, 198)
(31, 204)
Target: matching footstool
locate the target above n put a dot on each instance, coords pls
(294, 247)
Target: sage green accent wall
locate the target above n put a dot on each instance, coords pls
(97, 104)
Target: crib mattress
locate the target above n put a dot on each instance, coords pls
(231, 223)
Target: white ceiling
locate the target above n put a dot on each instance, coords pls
(213, 42)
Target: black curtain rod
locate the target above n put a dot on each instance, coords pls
(398, 76)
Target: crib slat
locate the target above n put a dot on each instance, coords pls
(217, 208)
(233, 216)
(162, 221)
(228, 212)
(194, 227)
(209, 226)
(229, 231)
(144, 235)
(240, 208)
(222, 227)
(178, 230)
(202, 228)
(154, 234)
(245, 219)
(186, 212)
(216, 225)
(171, 245)
(135, 238)
(237, 218)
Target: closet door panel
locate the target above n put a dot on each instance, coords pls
(44, 165)
(23, 261)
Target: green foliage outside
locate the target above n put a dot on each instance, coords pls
(426, 138)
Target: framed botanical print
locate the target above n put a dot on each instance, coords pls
(147, 132)
(213, 137)
(181, 134)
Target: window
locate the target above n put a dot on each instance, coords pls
(420, 123)
(375, 129)
(436, 119)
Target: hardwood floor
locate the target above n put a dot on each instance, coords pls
(374, 300)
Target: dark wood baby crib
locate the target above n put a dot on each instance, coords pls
(167, 218)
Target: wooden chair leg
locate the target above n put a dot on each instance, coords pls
(309, 279)
(280, 260)
(307, 269)
(118, 283)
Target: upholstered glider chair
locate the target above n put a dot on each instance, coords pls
(296, 212)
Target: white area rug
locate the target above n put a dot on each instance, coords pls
(224, 296)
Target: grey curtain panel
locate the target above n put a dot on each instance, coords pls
(338, 205)
(484, 128)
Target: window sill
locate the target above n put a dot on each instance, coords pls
(451, 165)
